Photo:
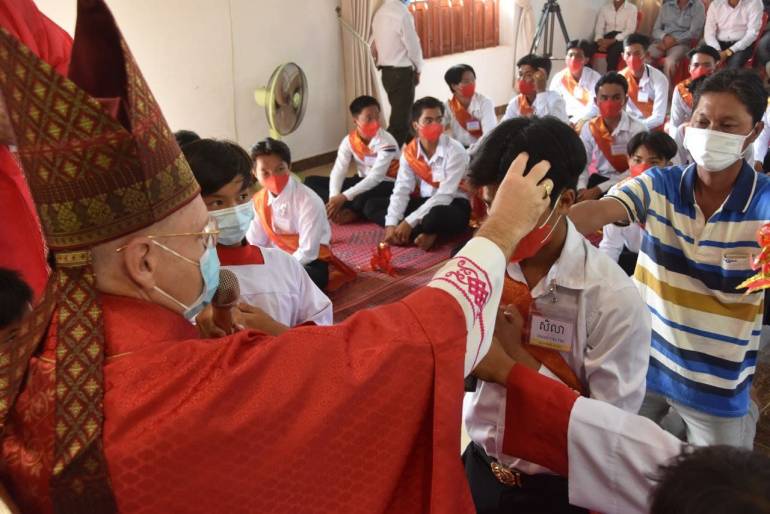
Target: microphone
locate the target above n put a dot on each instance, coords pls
(225, 299)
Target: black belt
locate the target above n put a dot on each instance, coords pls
(513, 478)
(395, 67)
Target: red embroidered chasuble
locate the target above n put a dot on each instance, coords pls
(358, 417)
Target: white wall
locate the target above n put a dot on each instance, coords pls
(204, 58)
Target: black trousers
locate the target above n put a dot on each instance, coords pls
(538, 494)
(738, 59)
(319, 273)
(358, 204)
(399, 84)
(613, 55)
(442, 220)
(627, 261)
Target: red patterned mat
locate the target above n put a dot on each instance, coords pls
(355, 244)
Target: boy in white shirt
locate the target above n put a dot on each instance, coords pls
(645, 150)
(533, 100)
(269, 278)
(647, 86)
(375, 154)
(469, 114)
(576, 83)
(605, 138)
(290, 216)
(587, 325)
(427, 200)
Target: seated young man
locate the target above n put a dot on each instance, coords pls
(375, 154)
(703, 63)
(647, 86)
(269, 278)
(645, 150)
(587, 324)
(427, 200)
(533, 99)
(606, 137)
(290, 216)
(700, 228)
(469, 115)
(576, 83)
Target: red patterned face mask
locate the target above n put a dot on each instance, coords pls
(431, 132)
(610, 108)
(526, 87)
(467, 90)
(276, 183)
(574, 64)
(638, 169)
(700, 71)
(635, 62)
(369, 130)
(537, 239)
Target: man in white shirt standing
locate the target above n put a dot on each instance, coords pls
(576, 83)
(398, 55)
(427, 200)
(588, 327)
(533, 99)
(647, 86)
(614, 23)
(469, 114)
(732, 26)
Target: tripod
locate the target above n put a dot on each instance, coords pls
(545, 28)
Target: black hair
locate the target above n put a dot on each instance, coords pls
(216, 163)
(612, 77)
(546, 64)
(15, 296)
(270, 146)
(695, 84)
(637, 39)
(704, 49)
(545, 138)
(714, 480)
(658, 143)
(454, 75)
(361, 103)
(426, 102)
(581, 44)
(530, 60)
(185, 137)
(744, 84)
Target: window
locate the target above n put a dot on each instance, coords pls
(452, 26)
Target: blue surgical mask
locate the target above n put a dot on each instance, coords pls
(209, 267)
(233, 222)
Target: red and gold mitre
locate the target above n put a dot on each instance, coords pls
(101, 163)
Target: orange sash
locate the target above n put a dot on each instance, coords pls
(569, 83)
(684, 92)
(463, 117)
(339, 272)
(633, 93)
(517, 293)
(362, 150)
(525, 109)
(604, 141)
(418, 164)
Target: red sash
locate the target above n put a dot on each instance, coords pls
(418, 164)
(525, 109)
(517, 293)
(684, 92)
(569, 83)
(633, 93)
(339, 272)
(362, 150)
(463, 117)
(604, 141)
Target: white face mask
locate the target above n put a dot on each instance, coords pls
(712, 150)
(233, 222)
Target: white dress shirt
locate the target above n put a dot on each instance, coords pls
(609, 20)
(614, 238)
(395, 37)
(763, 140)
(282, 288)
(297, 210)
(547, 103)
(596, 159)
(576, 110)
(481, 108)
(372, 169)
(680, 113)
(653, 84)
(611, 341)
(449, 164)
(740, 24)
